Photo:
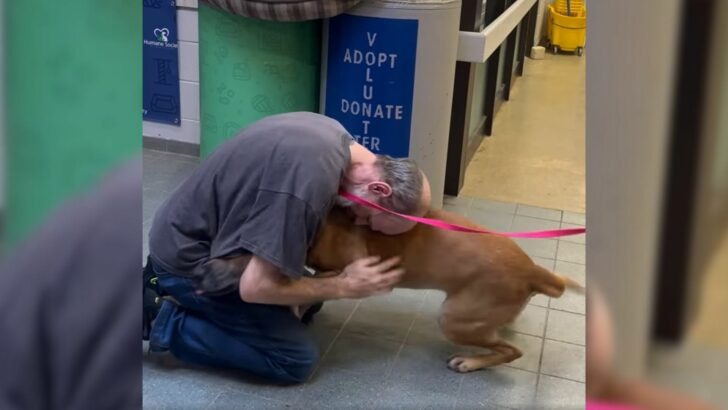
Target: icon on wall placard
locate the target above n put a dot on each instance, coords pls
(164, 103)
(161, 95)
(261, 103)
(162, 34)
(241, 71)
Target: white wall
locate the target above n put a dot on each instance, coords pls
(189, 73)
(540, 29)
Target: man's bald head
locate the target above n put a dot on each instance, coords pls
(397, 184)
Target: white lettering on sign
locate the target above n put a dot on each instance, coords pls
(368, 96)
(372, 60)
(370, 143)
(371, 37)
(369, 110)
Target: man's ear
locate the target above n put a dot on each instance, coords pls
(380, 189)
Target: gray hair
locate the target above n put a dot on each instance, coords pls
(405, 178)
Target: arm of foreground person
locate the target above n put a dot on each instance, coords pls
(262, 282)
(70, 304)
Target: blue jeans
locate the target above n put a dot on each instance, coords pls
(224, 331)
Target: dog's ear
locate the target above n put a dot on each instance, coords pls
(218, 276)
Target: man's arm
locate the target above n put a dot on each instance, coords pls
(262, 282)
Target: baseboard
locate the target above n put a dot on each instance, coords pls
(474, 140)
(176, 147)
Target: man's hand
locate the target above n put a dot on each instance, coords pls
(370, 276)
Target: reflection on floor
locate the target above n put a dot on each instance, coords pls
(387, 352)
(536, 155)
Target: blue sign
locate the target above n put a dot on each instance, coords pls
(370, 80)
(161, 62)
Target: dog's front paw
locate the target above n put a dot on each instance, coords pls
(460, 364)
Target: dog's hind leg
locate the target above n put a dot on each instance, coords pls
(500, 351)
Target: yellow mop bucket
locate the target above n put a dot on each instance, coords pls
(567, 26)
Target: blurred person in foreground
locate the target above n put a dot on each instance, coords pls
(264, 193)
(69, 311)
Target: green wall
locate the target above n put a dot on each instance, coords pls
(72, 99)
(250, 69)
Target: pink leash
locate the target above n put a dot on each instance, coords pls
(552, 233)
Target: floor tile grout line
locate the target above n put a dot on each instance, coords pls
(563, 378)
(540, 357)
(573, 224)
(491, 211)
(571, 262)
(565, 311)
(217, 396)
(459, 388)
(550, 339)
(524, 333)
(556, 256)
(537, 373)
(519, 204)
(390, 367)
(540, 219)
(336, 337)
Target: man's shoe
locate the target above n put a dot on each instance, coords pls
(312, 310)
(152, 300)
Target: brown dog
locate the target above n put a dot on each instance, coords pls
(488, 279)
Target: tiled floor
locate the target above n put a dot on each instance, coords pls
(386, 352)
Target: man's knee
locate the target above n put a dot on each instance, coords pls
(296, 366)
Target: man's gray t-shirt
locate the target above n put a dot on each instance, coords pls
(264, 191)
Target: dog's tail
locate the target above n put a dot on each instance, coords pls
(553, 285)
